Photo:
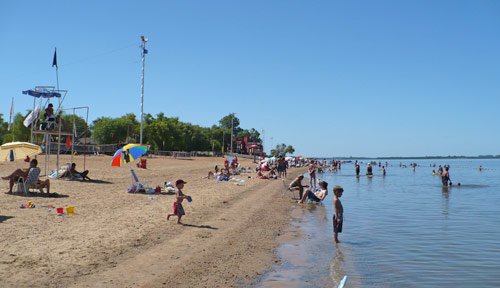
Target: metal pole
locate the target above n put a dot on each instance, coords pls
(73, 137)
(57, 70)
(58, 147)
(232, 117)
(85, 144)
(143, 52)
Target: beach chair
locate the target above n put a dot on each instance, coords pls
(286, 188)
(31, 181)
(142, 186)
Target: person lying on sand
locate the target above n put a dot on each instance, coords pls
(317, 196)
(209, 176)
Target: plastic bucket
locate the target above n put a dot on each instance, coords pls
(60, 210)
(70, 210)
(189, 199)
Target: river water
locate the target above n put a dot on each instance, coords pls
(401, 230)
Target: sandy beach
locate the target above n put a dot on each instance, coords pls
(117, 239)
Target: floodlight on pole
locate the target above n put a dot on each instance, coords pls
(143, 54)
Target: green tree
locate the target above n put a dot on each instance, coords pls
(107, 130)
(282, 150)
(252, 134)
(81, 125)
(18, 131)
(225, 122)
(3, 128)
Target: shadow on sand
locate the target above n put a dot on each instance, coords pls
(39, 195)
(3, 218)
(200, 226)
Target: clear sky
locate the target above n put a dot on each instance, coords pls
(332, 78)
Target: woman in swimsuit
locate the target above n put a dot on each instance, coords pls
(312, 175)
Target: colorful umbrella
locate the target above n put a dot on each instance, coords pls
(130, 152)
(18, 150)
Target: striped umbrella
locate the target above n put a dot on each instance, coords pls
(130, 153)
(18, 151)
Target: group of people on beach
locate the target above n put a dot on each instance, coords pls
(318, 196)
(31, 174)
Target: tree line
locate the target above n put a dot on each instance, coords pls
(161, 132)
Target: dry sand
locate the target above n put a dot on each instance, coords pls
(117, 239)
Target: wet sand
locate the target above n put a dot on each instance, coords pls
(117, 239)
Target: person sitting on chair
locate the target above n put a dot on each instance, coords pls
(19, 173)
(50, 117)
(82, 174)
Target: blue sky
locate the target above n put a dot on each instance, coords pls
(332, 78)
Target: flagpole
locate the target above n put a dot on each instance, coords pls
(143, 52)
(57, 67)
(11, 112)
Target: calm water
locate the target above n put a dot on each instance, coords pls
(401, 230)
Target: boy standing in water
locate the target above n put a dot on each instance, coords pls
(178, 209)
(338, 217)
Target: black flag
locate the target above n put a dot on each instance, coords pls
(54, 62)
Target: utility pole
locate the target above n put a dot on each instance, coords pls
(143, 54)
(232, 118)
(263, 141)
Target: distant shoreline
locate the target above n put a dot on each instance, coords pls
(417, 158)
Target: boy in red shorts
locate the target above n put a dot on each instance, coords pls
(178, 209)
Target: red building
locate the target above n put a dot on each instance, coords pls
(247, 146)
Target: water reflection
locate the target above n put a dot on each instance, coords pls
(446, 201)
(337, 266)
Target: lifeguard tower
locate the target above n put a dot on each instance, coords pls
(50, 128)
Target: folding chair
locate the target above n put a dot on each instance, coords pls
(142, 186)
(286, 188)
(31, 181)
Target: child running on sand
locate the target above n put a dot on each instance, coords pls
(178, 209)
(338, 217)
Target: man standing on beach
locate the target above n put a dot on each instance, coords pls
(281, 167)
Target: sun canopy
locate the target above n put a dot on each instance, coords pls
(19, 150)
(44, 93)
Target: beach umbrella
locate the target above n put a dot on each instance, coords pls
(230, 159)
(130, 153)
(18, 150)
